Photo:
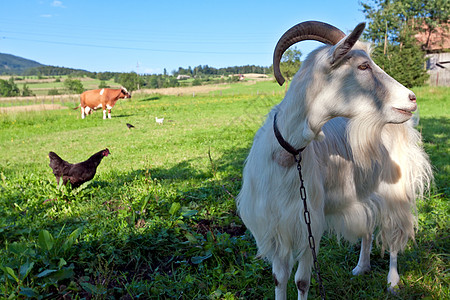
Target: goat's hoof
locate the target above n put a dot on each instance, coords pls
(358, 270)
(393, 289)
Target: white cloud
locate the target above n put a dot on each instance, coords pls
(57, 3)
(46, 16)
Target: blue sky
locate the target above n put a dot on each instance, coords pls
(148, 36)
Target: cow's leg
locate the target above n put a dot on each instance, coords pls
(393, 277)
(82, 113)
(109, 111)
(363, 265)
(104, 112)
(281, 269)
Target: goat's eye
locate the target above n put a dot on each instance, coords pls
(364, 66)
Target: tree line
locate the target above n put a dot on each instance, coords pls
(201, 70)
(207, 70)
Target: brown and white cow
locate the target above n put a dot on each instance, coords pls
(104, 98)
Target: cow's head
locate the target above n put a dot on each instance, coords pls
(125, 93)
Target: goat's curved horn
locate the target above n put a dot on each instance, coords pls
(310, 30)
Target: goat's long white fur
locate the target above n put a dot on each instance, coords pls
(363, 166)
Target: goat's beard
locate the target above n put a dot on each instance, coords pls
(364, 136)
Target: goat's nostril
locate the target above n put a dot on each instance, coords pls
(412, 97)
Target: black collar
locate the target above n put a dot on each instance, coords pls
(283, 143)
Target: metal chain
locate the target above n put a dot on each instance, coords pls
(307, 216)
(297, 153)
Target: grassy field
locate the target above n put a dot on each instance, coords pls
(159, 220)
(41, 86)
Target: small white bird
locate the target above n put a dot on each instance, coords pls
(159, 120)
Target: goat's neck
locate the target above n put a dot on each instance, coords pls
(294, 126)
(298, 122)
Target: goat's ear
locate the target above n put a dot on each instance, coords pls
(347, 43)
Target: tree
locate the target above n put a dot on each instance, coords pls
(392, 26)
(404, 62)
(8, 88)
(130, 81)
(290, 62)
(390, 17)
(74, 85)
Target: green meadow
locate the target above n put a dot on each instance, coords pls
(159, 218)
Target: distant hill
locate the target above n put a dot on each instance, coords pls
(15, 65)
(11, 64)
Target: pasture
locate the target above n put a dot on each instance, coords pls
(158, 220)
(41, 86)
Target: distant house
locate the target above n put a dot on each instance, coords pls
(183, 77)
(436, 43)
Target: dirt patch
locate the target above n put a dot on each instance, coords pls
(204, 226)
(35, 107)
(256, 76)
(61, 98)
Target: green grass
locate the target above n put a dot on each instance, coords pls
(159, 221)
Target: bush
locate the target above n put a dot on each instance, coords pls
(196, 82)
(53, 92)
(8, 88)
(103, 85)
(26, 91)
(74, 85)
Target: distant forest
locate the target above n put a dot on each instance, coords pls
(193, 72)
(15, 65)
(207, 70)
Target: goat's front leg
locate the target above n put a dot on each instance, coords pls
(303, 274)
(363, 265)
(281, 269)
(393, 277)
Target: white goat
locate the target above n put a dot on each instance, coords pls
(362, 165)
